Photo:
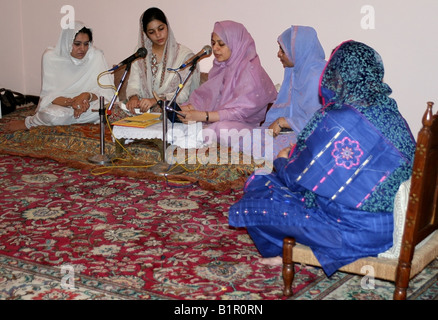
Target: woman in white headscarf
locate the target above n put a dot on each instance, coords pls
(70, 89)
(150, 75)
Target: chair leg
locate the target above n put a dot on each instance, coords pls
(288, 266)
(402, 280)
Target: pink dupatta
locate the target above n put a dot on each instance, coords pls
(239, 88)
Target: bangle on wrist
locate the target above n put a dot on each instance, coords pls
(91, 97)
(206, 116)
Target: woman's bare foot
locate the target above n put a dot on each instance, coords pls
(14, 125)
(274, 261)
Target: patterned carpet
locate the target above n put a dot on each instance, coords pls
(66, 234)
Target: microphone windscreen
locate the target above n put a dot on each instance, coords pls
(142, 52)
(207, 49)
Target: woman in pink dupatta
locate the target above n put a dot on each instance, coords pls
(238, 89)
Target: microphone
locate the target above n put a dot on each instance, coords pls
(205, 52)
(141, 53)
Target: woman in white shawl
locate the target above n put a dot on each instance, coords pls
(70, 90)
(151, 74)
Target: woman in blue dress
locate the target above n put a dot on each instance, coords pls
(334, 191)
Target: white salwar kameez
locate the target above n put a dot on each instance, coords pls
(142, 83)
(66, 76)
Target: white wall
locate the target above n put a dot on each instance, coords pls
(11, 52)
(405, 35)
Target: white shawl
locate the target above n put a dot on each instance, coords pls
(63, 75)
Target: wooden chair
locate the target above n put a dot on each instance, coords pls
(419, 226)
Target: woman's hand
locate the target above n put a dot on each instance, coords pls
(146, 104)
(133, 104)
(80, 104)
(63, 102)
(192, 116)
(142, 104)
(284, 153)
(277, 125)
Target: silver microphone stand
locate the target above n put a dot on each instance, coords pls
(102, 158)
(164, 168)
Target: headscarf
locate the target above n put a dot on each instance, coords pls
(353, 77)
(64, 75)
(298, 98)
(238, 88)
(175, 54)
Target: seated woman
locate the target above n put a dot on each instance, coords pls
(302, 57)
(238, 89)
(334, 192)
(150, 74)
(70, 89)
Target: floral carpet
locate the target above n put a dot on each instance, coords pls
(66, 234)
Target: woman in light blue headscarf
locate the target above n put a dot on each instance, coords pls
(303, 59)
(298, 98)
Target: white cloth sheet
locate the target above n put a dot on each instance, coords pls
(178, 134)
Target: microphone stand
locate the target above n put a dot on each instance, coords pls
(102, 158)
(164, 167)
(116, 94)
